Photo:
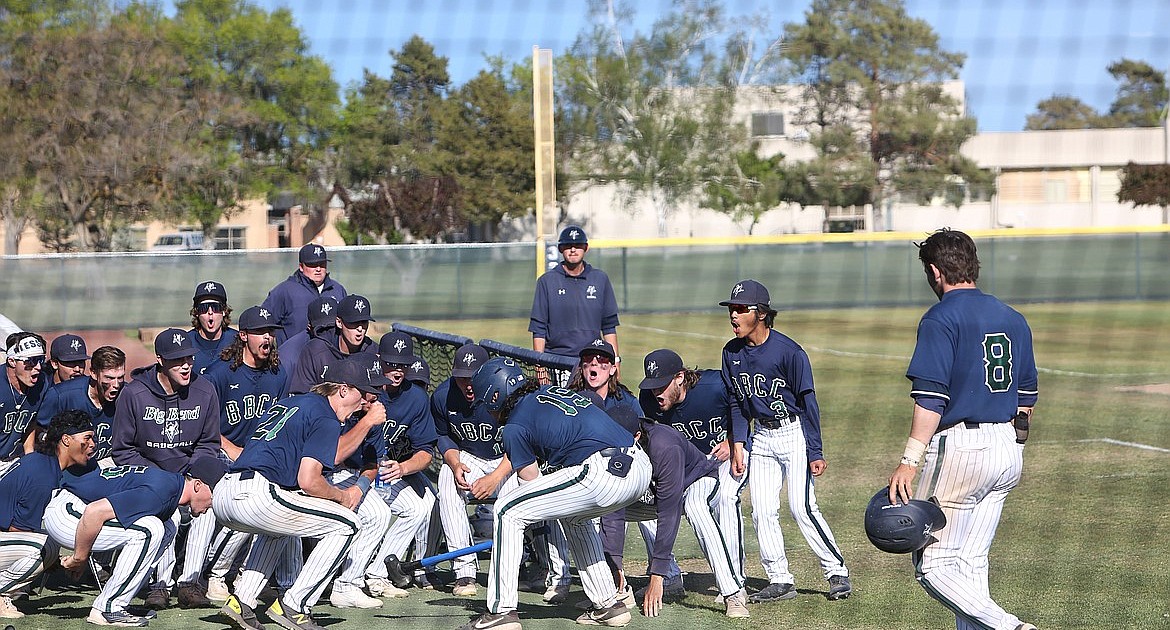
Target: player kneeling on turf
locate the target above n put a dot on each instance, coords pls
(127, 508)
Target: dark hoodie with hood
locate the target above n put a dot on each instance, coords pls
(289, 300)
(153, 428)
(321, 354)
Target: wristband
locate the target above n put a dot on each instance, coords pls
(617, 360)
(364, 484)
(912, 456)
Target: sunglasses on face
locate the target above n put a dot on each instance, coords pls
(741, 308)
(600, 358)
(33, 363)
(209, 307)
(396, 367)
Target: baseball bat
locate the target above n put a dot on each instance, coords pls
(411, 566)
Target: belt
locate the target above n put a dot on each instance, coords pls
(12, 458)
(772, 423)
(247, 474)
(615, 450)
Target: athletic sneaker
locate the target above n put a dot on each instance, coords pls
(116, 618)
(556, 595)
(8, 610)
(241, 614)
(381, 587)
(615, 616)
(349, 596)
(737, 605)
(290, 619)
(217, 589)
(423, 581)
(1026, 626)
(158, 599)
(839, 587)
(496, 621)
(625, 596)
(672, 592)
(191, 596)
(465, 587)
(773, 592)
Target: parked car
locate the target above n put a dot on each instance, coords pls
(178, 242)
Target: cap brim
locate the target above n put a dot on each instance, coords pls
(736, 303)
(354, 321)
(463, 373)
(397, 359)
(178, 354)
(73, 357)
(655, 383)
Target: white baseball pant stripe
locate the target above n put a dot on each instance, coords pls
(970, 472)
(196, 550)
(575, 495)
(453, 507)
(426, 543)
(22, 557)
(413, 517)
(285, 553)
(248, 502)
(375, 517)
(552, 550)
(729, 513)
(141, 543)
(779, 455)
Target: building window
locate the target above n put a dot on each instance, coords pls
(230, 238)
(1055, 190)
(767, 124)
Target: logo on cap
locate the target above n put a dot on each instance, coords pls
(737, 290)
(359, 306)
(209, 287)
(325, 308)
(317, 251)
(573, 234)
(265, 314)
(76, 344)
(468, 359)
(598, 342)
(399, 345)
(177, 339)
(416, 366)
(652, 368)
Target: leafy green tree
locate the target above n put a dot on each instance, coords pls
(1062, 112)
(1141, 96)
(879, 119)
(754, 186)
(1146, 185)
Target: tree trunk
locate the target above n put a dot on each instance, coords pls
(13, 230)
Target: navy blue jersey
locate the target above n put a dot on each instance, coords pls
(559, 427)
(296, 428)
(18, 412)
(703, 416)
(370, 451)
(773, 382)
(207, 351)
(245, 394)
(291, 349)
(321, 354)
(974, 353)
(568, 312)
(677, 464)
(74, 394)
(133, 491)
(626, 399)
(289, 302)
(25, 490)
(460, 426)
(408, 417)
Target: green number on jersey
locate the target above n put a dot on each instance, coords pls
(114, 472)
(566, 400)
(997, 362)
(268, 430)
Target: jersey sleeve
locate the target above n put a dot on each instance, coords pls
(439, 416)
(1029, 387)
(50, 406)
(738, 421)
(517, 446)
(934, 354)
(609, 312)
(668, 478)
(124, 447)
(321, 441)
(538, 318)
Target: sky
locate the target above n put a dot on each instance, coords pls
(1019, 52)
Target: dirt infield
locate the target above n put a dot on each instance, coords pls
(135, 343)
(1156, 388)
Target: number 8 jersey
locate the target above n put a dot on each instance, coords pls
(973, 361)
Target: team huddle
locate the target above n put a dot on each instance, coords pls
(297, 454)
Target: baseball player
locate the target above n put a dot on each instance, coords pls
(598, 373)
(278, 491)
(167, 417)
(697, 404)
(25, 490)
(26, 386)
(573, 302)
(348, 338)
(597, 468)
(95, 395)
(248, 379)
(683, 478)
(467, 441)
(211, 318)
(420, 373)
(772, 380)
(289, 299)
(132, 509)
(409, 434)
(322, 313)
(67, 357)
(973, 376)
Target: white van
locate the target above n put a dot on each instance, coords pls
(178, 242)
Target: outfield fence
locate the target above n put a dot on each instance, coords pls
(127, 290)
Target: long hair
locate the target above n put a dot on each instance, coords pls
(616, 388)
(234, 354)
(65, 423)
(227, 316)
(514, 399)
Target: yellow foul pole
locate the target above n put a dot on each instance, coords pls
(546, 193)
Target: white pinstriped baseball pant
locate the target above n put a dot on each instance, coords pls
(575, 495)
(142, 544)
(970, 471)
(375, 517)
(779, 456)
(22, 558)
(413, 515)
(248, 502)
(453, 507)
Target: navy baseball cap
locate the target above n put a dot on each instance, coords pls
(322, 312)
(209, 290)
(313, 254)
(207, 469)
(257, 318)
(396, 347)
(68, 348)
(598, 346)
(354, 308)
(419, 372)
(626, 417)
(354, 372)
(173, 343)
(572, 235)
(468, 358)
(660, 368)
(747, 292)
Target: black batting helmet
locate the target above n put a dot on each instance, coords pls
(901, 527)
(495, 381)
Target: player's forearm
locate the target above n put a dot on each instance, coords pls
(320, 488)
(417, 462)
(90, 525)
(350, 441)
(924, 424)
(230, 448)
(538, 343)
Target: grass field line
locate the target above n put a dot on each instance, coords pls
(1138, 445)
(891, 357)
